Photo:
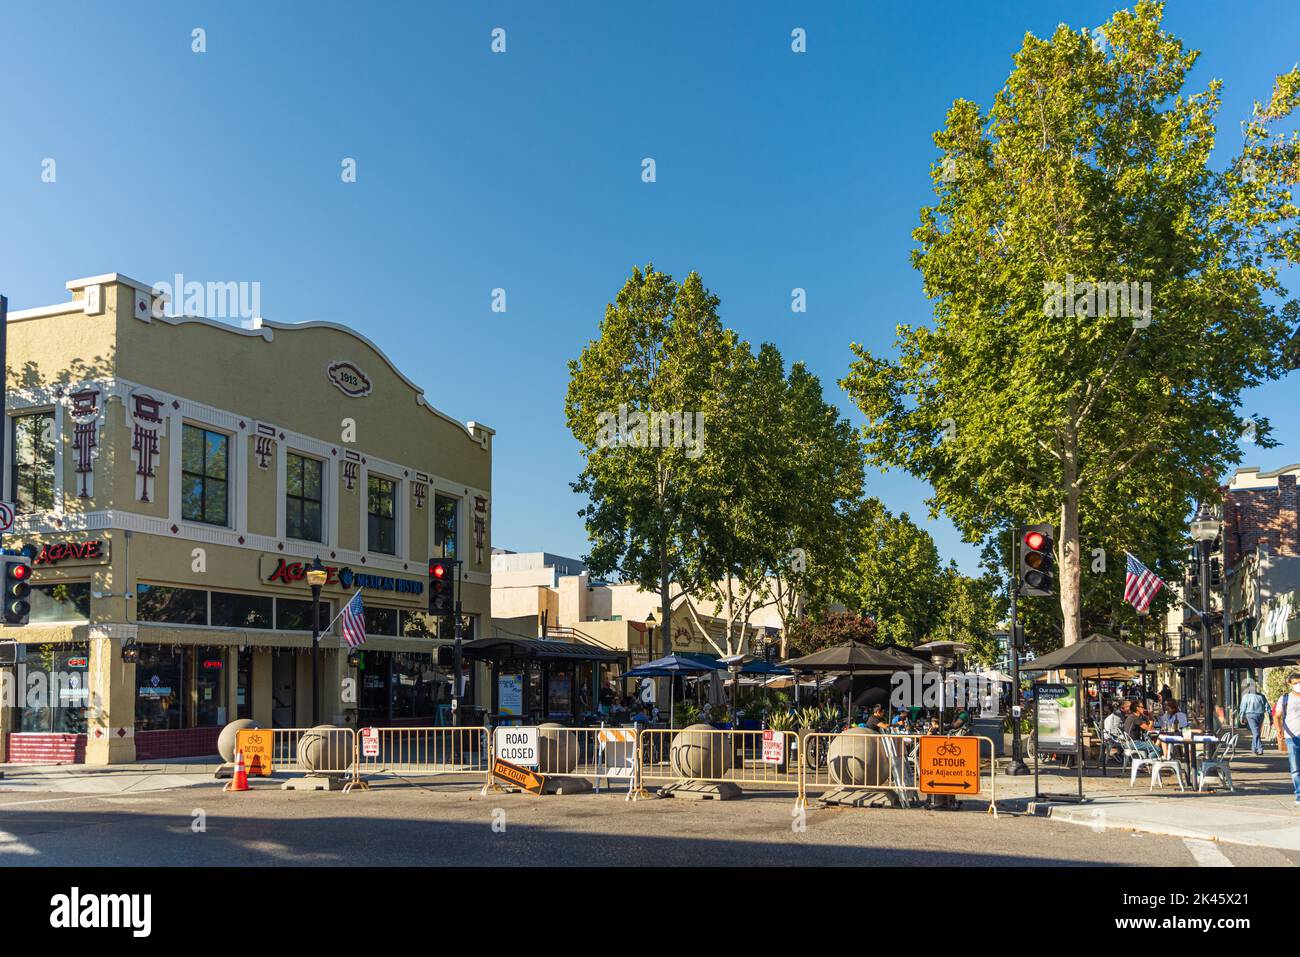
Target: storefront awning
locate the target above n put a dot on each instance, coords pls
(537, 649)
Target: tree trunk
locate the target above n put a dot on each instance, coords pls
(665, 605)
(1068, 552)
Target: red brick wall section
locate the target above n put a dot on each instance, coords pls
(1287, 527)
(1262, 516)
(185, 743)
(36, 748)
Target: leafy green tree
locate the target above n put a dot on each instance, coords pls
(661, 351)
(828, 628)
(756, 512)
(1101, 296)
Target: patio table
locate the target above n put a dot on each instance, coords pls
(1190, 753)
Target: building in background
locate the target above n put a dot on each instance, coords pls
(532, 596)
(173, 479)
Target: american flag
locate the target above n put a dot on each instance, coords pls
(354, 622)
(1140, 585)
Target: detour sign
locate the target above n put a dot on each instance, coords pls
(256, 745)
(949, 765)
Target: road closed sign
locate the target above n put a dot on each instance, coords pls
(516, 745)
(949, 765)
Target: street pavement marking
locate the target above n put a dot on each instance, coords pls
(11, 844)
(1207, 853)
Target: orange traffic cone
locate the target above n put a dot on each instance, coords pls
(240, 782)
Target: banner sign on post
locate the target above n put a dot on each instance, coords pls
(948, 764)
(1056, 717)
(516, 745)
(255, 743)
(519, 777)
(773, 747)
(617, 752)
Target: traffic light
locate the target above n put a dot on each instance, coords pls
(1037, 560)
(18, 585)
(441, 587)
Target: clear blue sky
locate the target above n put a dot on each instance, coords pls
(522, 171)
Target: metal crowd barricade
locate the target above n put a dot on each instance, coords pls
(872, 763)
(993, 772)
(433, 750)
(711, 756)
(588, 754)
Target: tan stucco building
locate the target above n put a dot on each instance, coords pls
(173, 477)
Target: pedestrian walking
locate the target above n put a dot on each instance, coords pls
(1286, 718)
(1253, 708)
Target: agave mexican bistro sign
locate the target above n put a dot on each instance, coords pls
(350, 379)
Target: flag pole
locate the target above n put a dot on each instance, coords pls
(341, 610)
(1167, 585)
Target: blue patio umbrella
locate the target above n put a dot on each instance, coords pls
(669, 666)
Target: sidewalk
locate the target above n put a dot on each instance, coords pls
(107, 779)
(1261, 811)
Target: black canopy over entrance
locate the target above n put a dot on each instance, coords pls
(537, 679)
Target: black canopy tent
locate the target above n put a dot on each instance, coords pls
(544, 666)
(1231, 655)
(852, 657)
(1284, 654)
(1095, 652)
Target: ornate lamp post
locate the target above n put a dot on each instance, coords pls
(1205, 529)
(316, 577)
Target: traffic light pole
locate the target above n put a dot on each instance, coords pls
(1018, 765)
(455, 655)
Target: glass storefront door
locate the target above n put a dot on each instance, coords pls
(160, 689)
(52, 684)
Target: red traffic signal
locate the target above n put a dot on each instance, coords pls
(1036, 561)
(437, 570)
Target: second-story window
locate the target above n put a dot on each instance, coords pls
(302, 498)
(205, 476)
(444, 526)
(33, 462)
(381, 494)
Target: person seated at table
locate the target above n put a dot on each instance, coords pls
(1138, 726)
(960, 723)
(1112, 728)
(933, 727)
(899, 721)
(876, 720)
(1172, 721)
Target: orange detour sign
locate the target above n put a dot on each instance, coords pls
(949, 765)
(524, 778)
(255, 744)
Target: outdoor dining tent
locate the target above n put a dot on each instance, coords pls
(1230, 654)
(853, 657)
(1286, 654)
(670, 666)
(1094, 653)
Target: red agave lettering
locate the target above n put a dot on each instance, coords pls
(281, 572)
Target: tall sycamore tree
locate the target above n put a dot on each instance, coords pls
(751, 511)
(662, 351)
(1101, 296)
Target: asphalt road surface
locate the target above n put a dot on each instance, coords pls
(433, 823)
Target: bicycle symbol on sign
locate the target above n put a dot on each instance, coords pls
(948, 748)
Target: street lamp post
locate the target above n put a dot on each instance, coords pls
(316, 576)
(1205, 529)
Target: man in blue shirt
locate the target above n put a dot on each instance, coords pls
(1254, 706)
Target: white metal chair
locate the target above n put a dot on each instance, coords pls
(1138, 759)
(1220, 763)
